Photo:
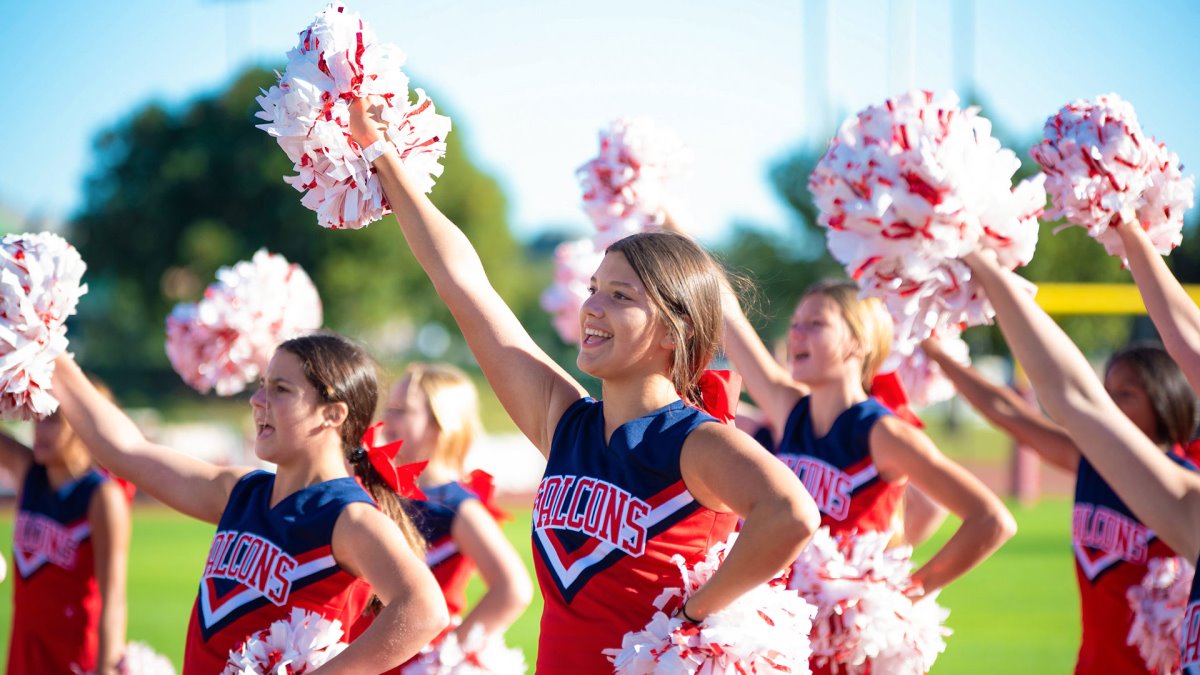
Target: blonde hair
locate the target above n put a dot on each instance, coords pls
(868, 321)
(684, 284)
(454, 402)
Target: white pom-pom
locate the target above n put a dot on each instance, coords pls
(762, 631)
(1103, 171)
(574, 264)
(865, 619)
(227, 339)
(299, 644)
(479, 654)
(338, 60)
(40, 287)
(909, 187)
(3, 569)
(922, 377)
(1158, 605)
(624, 186)
(141, 659)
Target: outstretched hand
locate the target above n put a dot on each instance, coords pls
(366, 120)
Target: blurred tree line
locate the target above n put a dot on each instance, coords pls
(178, 191)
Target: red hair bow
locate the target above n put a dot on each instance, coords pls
(402, 480)
(720, 391)
(482, 484)
(890, 391)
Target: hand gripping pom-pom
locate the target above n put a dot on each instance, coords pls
(40, 287)
(297, 645)
(338, 60)
(479, 654)
(1103, 172)
(1158, 605)
(763, 631)
(141, 659)
(227, 338)
(865, 619)
(921, 376)
(574, 264)
(908, 188)
(624, 185)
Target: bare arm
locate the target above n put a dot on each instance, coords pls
(108, 515)
(770, 384)
(1174, 314)
(1008, 410)
(725, 469)
(15, 458)
(922, 516)
(196, 488)
(369, 545)
(901, 450)
(533, 389)
(1163, 495)
(509, 589)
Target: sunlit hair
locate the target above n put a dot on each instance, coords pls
(1172, 399)
(342, 372)
(868, 321)
(454, 403)
(684, 284)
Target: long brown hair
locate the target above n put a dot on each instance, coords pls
(684, 284)
(1171, 397)
(342, 372)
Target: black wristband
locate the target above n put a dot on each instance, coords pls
(683, 612)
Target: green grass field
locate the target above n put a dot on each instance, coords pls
(1018, 612)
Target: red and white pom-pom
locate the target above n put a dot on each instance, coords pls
(40, 287)
(338, 60)
(3, 569)
(763, 631)
(141, 659)
(479, 654)
(624, 186)
(1158, 605)
(296, 645)
(865, 620)
(226, 339)
(922, 377)
(909, 187)
(1102, 171)
(574, 264)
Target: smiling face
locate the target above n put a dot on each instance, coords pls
(622, 331)
(821, 347)
(289, 416)
(409, 418)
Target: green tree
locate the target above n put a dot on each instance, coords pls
(178, 191)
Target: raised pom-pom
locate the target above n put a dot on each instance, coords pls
(1103, 171)
(40, 287)
(296, 645)
(921, 376)
(479, 654)
(624, 185)
(141, 659)
(574, 264)
(1158, 605)
(338, 59)
(865, 621)
(226, 340)
(909, 187)
(763, 631)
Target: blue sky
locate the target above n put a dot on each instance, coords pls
(531, 82)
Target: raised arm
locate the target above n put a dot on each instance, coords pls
(725, 470)
(1161, 494)
(900, 451)
(509, 589)
(1005, 408)
(532, 388)
(15, 458)
(108, 515)
(770, 384)
(1174, 314)
(369, 545)
(186, 484)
